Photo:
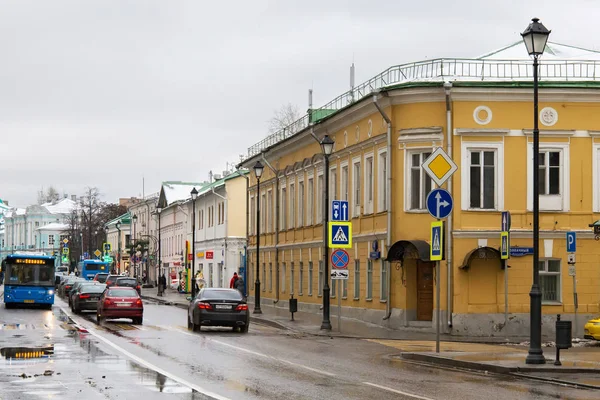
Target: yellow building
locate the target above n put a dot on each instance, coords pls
(480, 112)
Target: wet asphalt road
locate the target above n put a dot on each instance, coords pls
(163, 360)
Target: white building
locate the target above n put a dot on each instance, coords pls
(144, 232)
(118, 234)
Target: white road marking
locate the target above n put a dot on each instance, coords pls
(154, 367)
(318, 371)
(414, 396)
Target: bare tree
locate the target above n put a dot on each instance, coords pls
(90, 207)
(284, 117)
(48, 196)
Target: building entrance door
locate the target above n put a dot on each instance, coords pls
(424, 291)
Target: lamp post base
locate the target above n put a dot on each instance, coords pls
(257, 309)
(535, 357)
(326, 324)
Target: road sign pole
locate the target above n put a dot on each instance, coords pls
(437, 294)
(505, 296)
(575, 302)
(339, 301)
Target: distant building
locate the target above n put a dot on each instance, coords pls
(129, 202)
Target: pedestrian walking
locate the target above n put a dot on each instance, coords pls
(232, 281)
(239, 285)
(162, 283)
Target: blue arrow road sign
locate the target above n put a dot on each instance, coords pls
(571, 242)
(339, 210)
(505, 223)
(439, 203)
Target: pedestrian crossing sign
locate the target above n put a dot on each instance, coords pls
(437, 241)
(340, 235)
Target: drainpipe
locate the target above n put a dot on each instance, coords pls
(447, 90)
(245, 176)
(276, 226)
(388, 202)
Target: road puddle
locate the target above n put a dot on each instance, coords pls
(29, 353)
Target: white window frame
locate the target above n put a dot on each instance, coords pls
(301, 201)
(558, 274)
(320, 277)
(283, 277)
(356, 279)
(310, 278)
(408, 181)
(270, 276)
(333, 179)
(310, 200)
(382, 175)
(465, 176)
(292, 205)
(50, 240)
(283, 207)
(356, 186)
(263, 215)
(320, 196)
(369, 281)
(383, 280)
(301, 279)
(292, 273)
(269, 211)
(550, 202)
(596, 176)
(264, 277)
(369, 183)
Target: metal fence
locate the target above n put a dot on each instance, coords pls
(439, 70)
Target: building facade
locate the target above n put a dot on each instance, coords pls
(118, 235)
(480, 112)
(144, 233)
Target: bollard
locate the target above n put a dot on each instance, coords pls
(293, 305)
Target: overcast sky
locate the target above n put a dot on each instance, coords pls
(104, 93)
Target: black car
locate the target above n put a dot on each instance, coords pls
(86, 296)
(129, 282)
(218, 307)
(100, 277)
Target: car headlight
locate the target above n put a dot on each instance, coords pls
(50, 292)
(596, 323)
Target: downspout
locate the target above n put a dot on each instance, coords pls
(388, 202)
(247, 227)
(276, 226)
(447, 90)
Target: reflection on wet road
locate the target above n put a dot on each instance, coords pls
(54, 354)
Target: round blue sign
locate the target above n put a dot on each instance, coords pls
(340, 259)
(439, 203)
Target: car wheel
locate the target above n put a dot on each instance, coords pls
(8, 305)
(190, 324)
(196, 327)
(244, 329)
(99, 319)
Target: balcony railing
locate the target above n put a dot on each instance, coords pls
(442, 70)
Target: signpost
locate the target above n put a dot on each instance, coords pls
(436, 249)
(571, 249)
(97, 253)
(439, 203)
(339, 260)
(505, 253)
(439, 166)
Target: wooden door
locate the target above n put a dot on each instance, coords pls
(424, 291)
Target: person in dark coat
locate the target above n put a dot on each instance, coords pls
(162, 284)
(232, 281)
(239, 285)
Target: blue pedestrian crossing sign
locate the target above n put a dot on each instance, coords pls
(340, 235)
(439, 203)
(504, 246)
(107, 247)
(339, 210)
(437, 239)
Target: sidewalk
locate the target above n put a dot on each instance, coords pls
(580, 364)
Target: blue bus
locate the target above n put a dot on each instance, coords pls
(89, 268)
(28, 279)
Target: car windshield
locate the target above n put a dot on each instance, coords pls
(92, 288)
(232, 294)
(124, 292)
(126, 282)
(101, 278)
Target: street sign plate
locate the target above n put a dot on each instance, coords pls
(504, 246)
(571, 270)
(339, 210)
(340, 259)
(439, 203)
(107, 247)
(65, 241)
(571, 258)
(505, 222)
(436, 250)
(439, 166)
(571, 242)
(97, 253)
(340, 235)
(339, 274)
(65, 250)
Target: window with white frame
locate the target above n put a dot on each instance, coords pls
(482, 176)
(201, 219)
(369, 184)
(382, 185)
(344, 183)
(292, 219)
(252, 215)
(310, 201)
(344, 288)
(333, 292)
(320, 278)
(301, 200)
(301, 279)
(264, 276)
(383, 281)
(332, 186)
(263, 214)
(356, 198)
(419, 183)
(283, 209)
(282, 277)
(310, 278)
(356, 279)
(50, 240)
(596, 177)
(550, 280)
(554, 180)
(369, 293)
(269, 211)
(270, 277)
(292, 276)
(320, 198)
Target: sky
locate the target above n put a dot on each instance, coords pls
(124, 94)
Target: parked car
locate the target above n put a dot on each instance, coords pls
(129, 282)
(592, 329)
(111, 279)
(78, 282)
(100, 277)
(120, 302)
(66, 285)
(218, 307)
(85, 297)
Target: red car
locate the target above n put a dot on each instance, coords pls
(120, 302)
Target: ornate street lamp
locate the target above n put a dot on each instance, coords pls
(132, 244)
(258, 171)
(327, 148)
(535, 38)
(158, 211)
(118, 226)
(194, 194)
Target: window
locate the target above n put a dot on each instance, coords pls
(292, 205)
(283, 278)
(269, 211)
(482, 177)
(356, 279)
(332, 184)
(383, 282)
(310, 278)
(301, 279)
(283, 210)
(252, 216)
(221, 213)
(333, 292)
(382, 185)
(369, 184)
(211, 216)
(270, 277)
(419, 182)
(554, 180)
(201, 220)
(369, 279)
(37, 224)
(263, 213)
(301, 203)
(292, 277)
(320, 279)
(320, 198)
(264, 277)
(356, 188)
(344, 183)
(50, 240)
(344, 288)
(310, 202)
(550, 284)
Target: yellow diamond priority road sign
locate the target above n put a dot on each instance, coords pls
(439, 166)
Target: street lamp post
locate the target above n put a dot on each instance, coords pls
(118, 226)
(158, 211)
(133, 246)
(258, 171)
(43, 246)
(535, 38)
(194, 194)
(327, 148)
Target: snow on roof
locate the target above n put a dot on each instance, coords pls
(64, 206)
(177, 191)
(553, 51)
(54, 226)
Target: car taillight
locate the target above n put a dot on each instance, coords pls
(67, 287)
(242, 307)
(84, 296)
(108, 302)
(138, 303)
(204, 306)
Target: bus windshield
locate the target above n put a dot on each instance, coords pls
(94, 266)
(30, 275)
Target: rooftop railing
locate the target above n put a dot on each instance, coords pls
(441, 70)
